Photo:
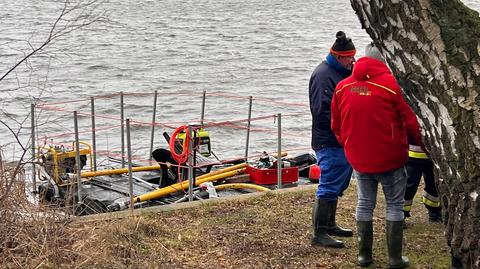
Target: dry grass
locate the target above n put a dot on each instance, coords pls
(29, 235)
(270, 231)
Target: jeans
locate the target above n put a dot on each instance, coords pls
(335, 173)
(393, 185)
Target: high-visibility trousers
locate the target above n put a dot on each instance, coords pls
(416, 168)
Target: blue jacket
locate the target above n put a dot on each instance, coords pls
(321, 87)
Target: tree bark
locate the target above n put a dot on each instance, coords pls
(432, 47)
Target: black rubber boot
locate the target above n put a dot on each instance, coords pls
(333, 229)
(395, 245)
(435, 215)
(321, 211)
(365, 243)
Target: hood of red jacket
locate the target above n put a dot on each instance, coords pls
(367, 68)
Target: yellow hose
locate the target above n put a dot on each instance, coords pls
(241, 186)
(213, 176)
(231, 168)
(151, 168)
(157, 167)
(119, 171)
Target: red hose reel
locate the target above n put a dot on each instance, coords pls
(183, 156)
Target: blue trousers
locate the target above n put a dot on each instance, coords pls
(393, 185)
(335, 173)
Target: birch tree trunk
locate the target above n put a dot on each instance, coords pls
(433, 49)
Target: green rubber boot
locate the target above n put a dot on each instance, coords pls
(395, 244)
(320, 217)
(333, 228)
(365, 243)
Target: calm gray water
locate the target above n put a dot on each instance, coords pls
(265, 49)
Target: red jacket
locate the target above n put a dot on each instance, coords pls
(371, 119)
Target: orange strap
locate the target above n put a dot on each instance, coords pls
(345, 53)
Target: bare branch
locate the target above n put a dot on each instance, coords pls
(14, 134)
(86, 17)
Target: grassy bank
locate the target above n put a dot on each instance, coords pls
(268, 231)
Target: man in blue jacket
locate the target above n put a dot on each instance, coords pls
(335, 169)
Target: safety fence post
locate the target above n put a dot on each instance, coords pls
(94, 140)
(34, 172)
(202, 117)
(77, 159)
(130, 176)
(247, 142)
(122, 119)
(154, 114)
(279, 151)
(190, 165)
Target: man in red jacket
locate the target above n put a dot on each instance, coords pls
(371, 120)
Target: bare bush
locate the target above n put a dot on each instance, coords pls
(30, 234)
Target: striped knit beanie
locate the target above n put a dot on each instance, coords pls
(343, 46)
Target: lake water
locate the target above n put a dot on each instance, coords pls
(231, 49)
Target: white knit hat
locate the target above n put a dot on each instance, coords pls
(372, 51)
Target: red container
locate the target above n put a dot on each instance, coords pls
(314, 173)
(269, 176)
